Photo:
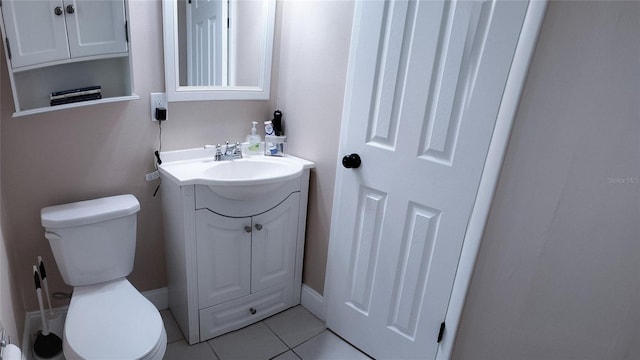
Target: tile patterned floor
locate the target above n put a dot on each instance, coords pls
(294, 334)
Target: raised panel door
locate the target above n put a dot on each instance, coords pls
(425, 83)
(96, 27)
(223, 247)
(274, 245)
(36, 34)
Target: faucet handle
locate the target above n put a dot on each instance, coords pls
(218, 155)
(238, 149)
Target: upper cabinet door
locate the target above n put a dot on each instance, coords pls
(96, 27)
(36, 31)
(42, 31)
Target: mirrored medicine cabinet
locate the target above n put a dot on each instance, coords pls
(218, 49)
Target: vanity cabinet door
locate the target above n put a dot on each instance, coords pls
(35, 32)
(96, 27)
(224, 257)
(274, 245)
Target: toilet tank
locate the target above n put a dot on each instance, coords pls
(93, 241)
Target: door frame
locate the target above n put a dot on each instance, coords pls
(490, 175)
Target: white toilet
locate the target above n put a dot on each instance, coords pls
(94, 244)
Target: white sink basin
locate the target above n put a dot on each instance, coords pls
(250, 171)
(239, 179)
(243, 179)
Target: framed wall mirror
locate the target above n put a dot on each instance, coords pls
(218, 49)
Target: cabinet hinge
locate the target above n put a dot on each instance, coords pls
(126, 30)
(441, 332)
(227, 23)
(8, 48)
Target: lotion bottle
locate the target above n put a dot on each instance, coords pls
(254, 140)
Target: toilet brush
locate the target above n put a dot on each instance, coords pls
(47, 344)
(45, 283)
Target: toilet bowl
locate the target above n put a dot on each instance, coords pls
(93, 243)
(112, 321)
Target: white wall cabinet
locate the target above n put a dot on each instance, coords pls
(57, 45)
(231, 263)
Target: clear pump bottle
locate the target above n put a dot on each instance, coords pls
(254, 140)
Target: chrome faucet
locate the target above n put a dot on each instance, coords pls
(231, 152)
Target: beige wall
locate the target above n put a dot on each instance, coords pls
(106, 149)
(313, 63)
(558, 274)
(9, 312)
(102, 150)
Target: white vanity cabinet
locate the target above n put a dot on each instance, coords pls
(232, 262)
(251, 257)
(241, 256)
(58, 45)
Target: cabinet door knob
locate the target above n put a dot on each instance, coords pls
(70, 9)
(258, 227)
(253, 311)
(247, 228)
(57, 10)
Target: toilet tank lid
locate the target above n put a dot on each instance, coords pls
(89, 211)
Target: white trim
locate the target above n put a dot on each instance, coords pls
(313, 301)
(158, 297)
(175, 92)
(489, 181)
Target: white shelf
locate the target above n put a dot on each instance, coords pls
(75, 105)
(69, 61)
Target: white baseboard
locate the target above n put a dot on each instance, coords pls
(312, 301)
(158, 297)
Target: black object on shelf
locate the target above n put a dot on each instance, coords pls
(78, 91)
(75, 95)
(74, 99)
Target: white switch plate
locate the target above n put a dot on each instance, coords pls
(158, 100)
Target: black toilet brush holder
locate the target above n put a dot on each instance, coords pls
(47, 344)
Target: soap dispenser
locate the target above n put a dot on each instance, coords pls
(254, 140)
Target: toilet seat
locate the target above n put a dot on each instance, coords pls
(112, 320)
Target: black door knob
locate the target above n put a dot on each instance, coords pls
(351, 161)
(57, 10)
(70, 9)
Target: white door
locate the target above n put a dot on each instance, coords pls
(274, 245)
(36, 31)
(206, 42)
(96, 27)
(223, 246)
(425, 84)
